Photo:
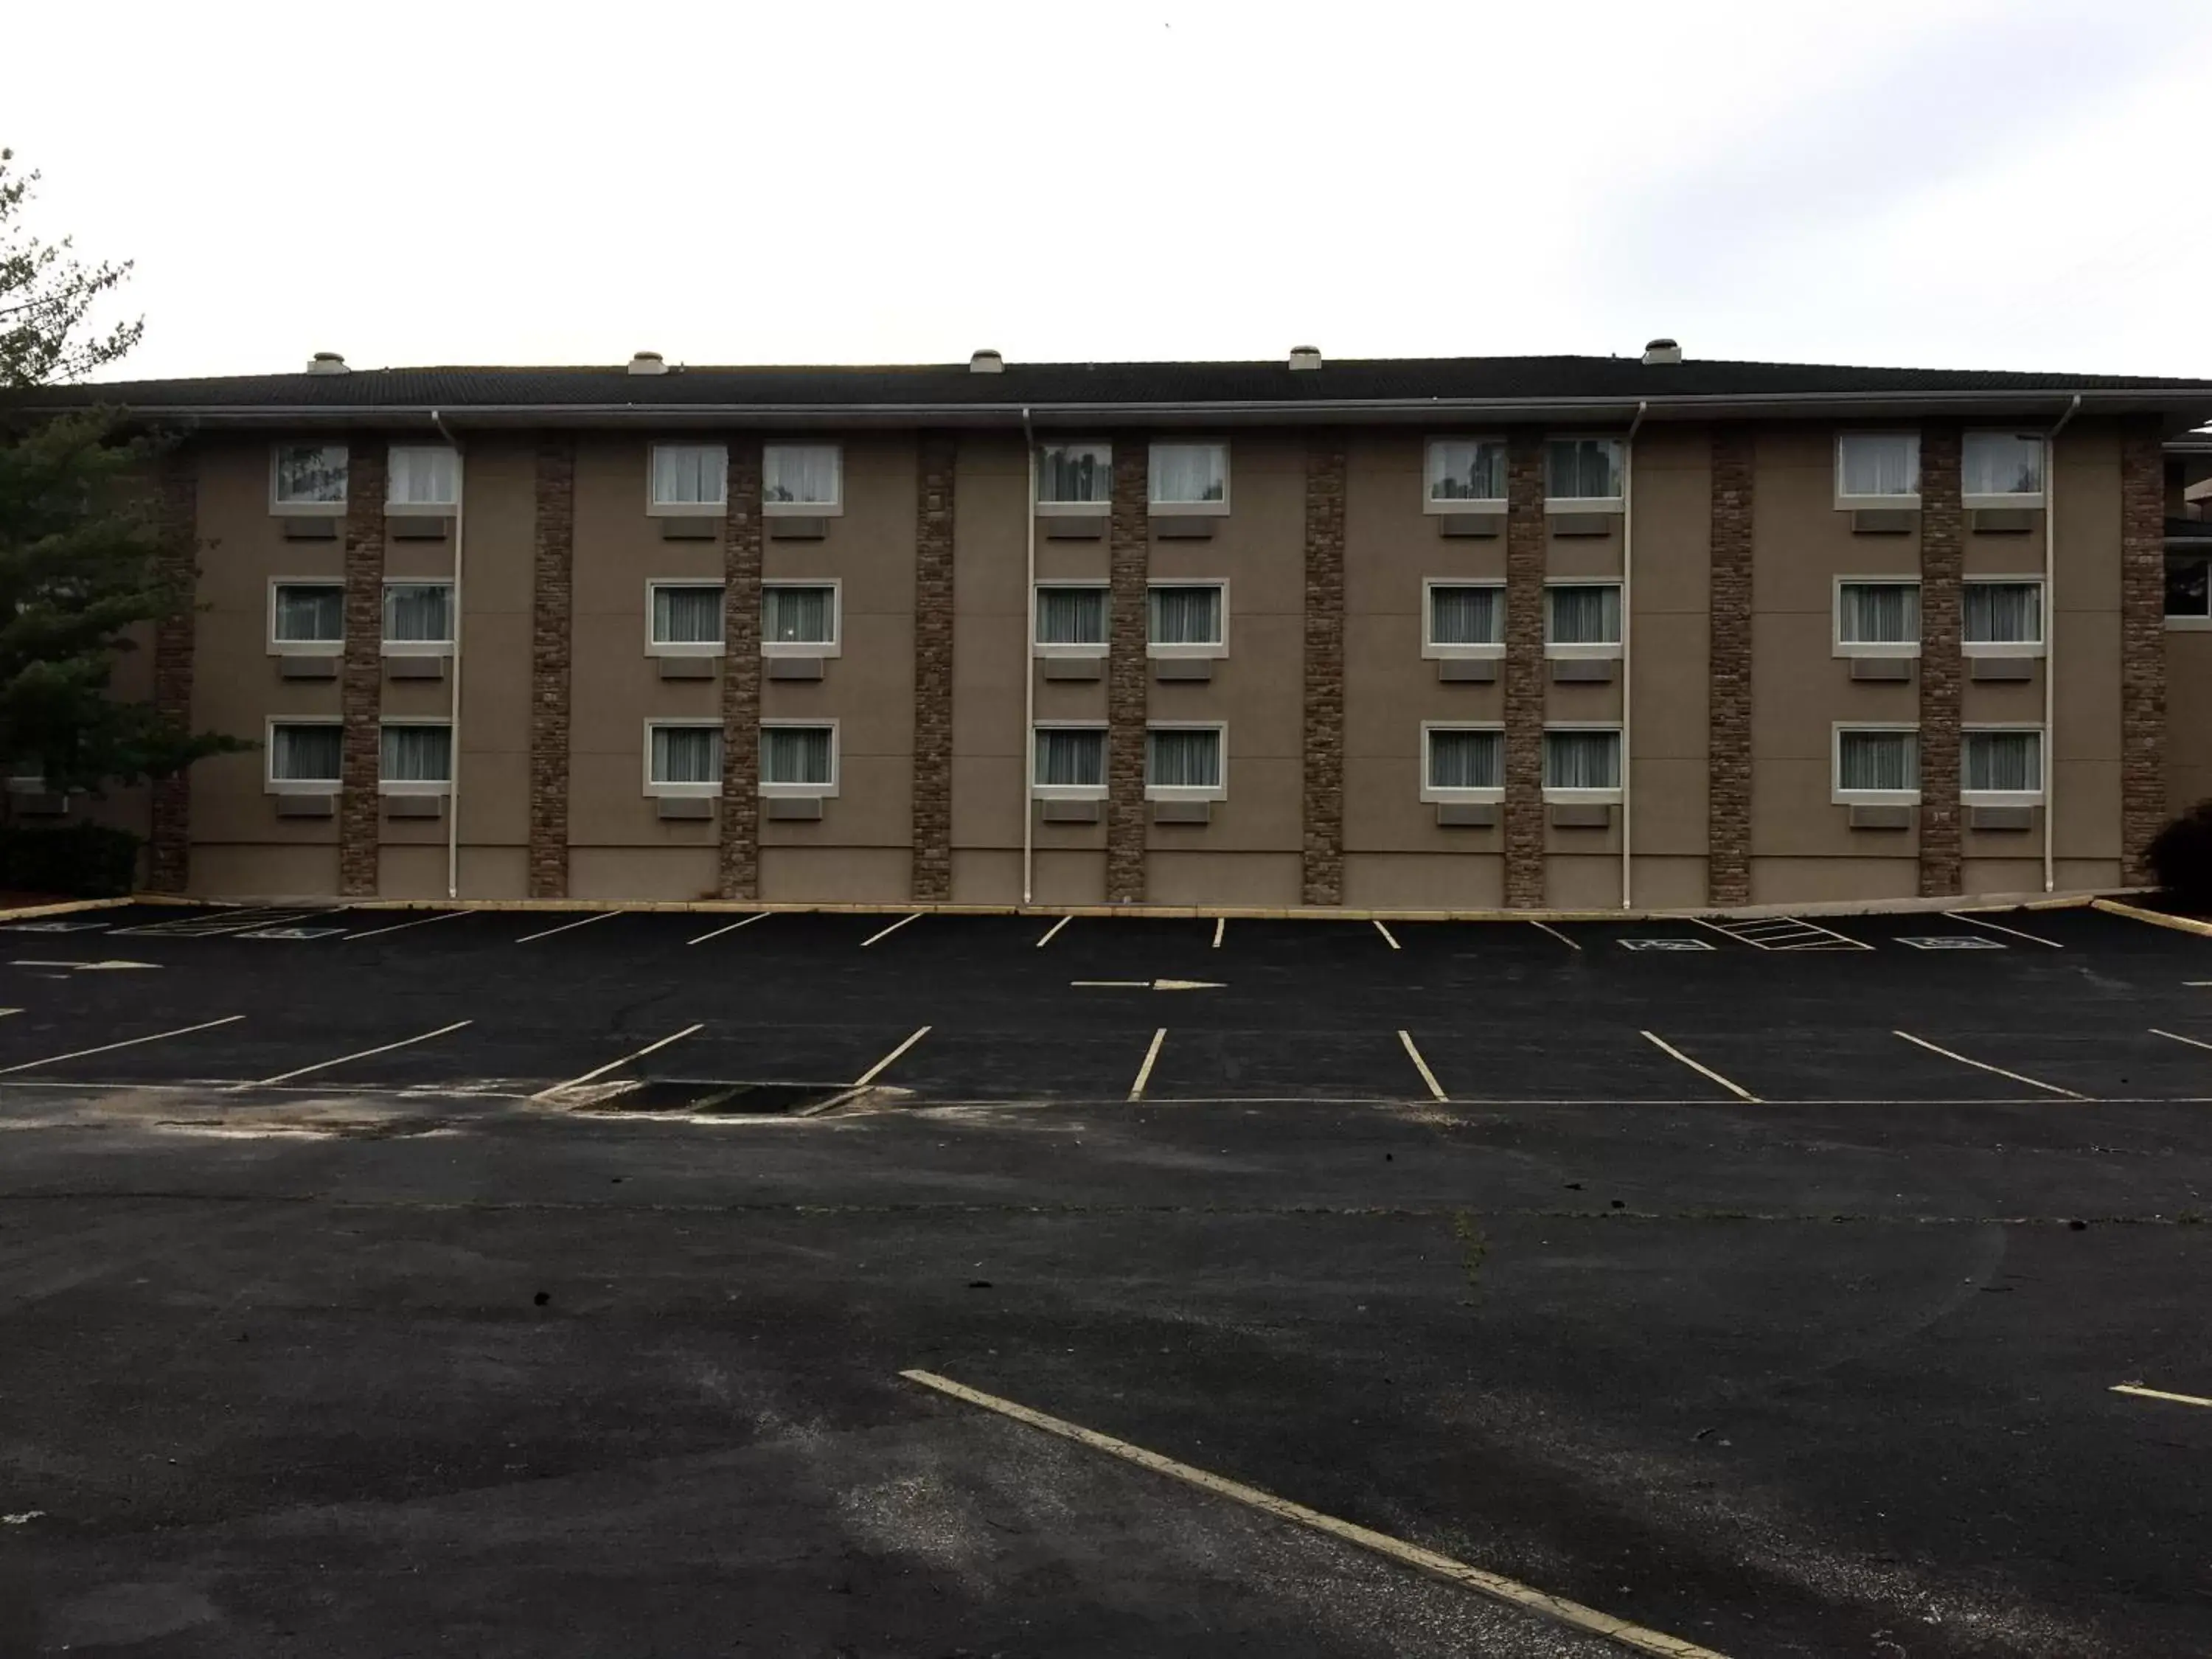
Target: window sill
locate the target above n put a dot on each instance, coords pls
(1558, 504)
(2001, 647)
(1074, 509)
(683, 792)
(1886, 653)
(687, 510)
(287, 786)
(1582, 797)
(798, 648)
(404, 788)
(2000, 797)
(415, 648)
(306, 509)
(307, 647)
(1067, 792)
(1479, 505)
(1080, 653)
(1582, 652)
(1874, 797)
(797, 791)
(420, 509)
(1180, 792)
(1450, 652)
(802, 509)
(1877, 503)
(1187, 509)
(1463, 797)
(685, 648)
(1993, 503)
(2189, 624)
(1157, 652)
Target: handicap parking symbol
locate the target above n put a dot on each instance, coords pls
(1665, 945)
(292, 932)
(1952, 942)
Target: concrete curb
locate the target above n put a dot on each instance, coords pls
(29, 911)
(2155, 918)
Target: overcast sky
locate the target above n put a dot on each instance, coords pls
(1960, 185)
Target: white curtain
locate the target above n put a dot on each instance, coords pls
(417, 754)
(2003, 761)
(1582, 469)
(306, 754)
(689, 474)
(1184, 473)
(1466, 615)
(1465, 759)
(1878, 760)
(1462, 471)
(1071, 758)
(1881, 464)
(2002, 463)
(1582, 760)
(687, 616)
(687, 754)
(424, 475)
(419, 612)
(1184, 759)
(1880, 613)
(1186, 616)
(1076, 472)
(1071, 616)
(1584, 616)
(795, 754)
(2003, 613)
(310, 615)
(798, 615)
(310, 472)
(800, 474)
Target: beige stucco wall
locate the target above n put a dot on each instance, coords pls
(2188, 718)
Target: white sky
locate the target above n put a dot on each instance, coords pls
(1943, 183)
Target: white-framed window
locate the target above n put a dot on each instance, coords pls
(1582, 764)
(1462, 763)
(2001, 469)
(415, 757)
(2001, 765)
(418, 618)
(2001, 616)
(1189, 477)
(689, 481)
(1070, 761)
(801, 619)
(1072, 619)
(1877, 617)
(1462, 618)
(682, 618)
(807, 479)
(1582, 619)
(424, 478)
(1877, 469)
(1583, 475)
(1187, 619)
(1075, 478)
(306, 616)
(1877, 765)
(304, 757)
(684, 759)
(798, 758)
(1464, 475)
(307, 480)
(1187, 761)
(2188, 589)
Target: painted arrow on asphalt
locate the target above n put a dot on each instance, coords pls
(1151, 984)
(85, 967)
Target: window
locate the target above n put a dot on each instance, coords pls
(425, 478)
(1183, 762)
(2001, 617)
(798, 759)
(1187, 619)
(1071, 620)
(1581, 763)
(683, 757)
(1462, 763)
(2001, 766)
(305, 755)
(418, 618)
(1465, 475)
(685, 619)
(1582, 473)
(799, 618)
(307, 614)
(416, 758)
(2189, 588)
(1877, 766)
(2002, 469)
(807, 479)
(1190, 477)
(1877, 618)
(1878, 468)
(1071, 763)
(1075, 478)
(1463, 619)
(307, 478)
(690, 479)
(1582, 619)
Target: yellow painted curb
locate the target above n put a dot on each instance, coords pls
(30, 910)
(2155, 918)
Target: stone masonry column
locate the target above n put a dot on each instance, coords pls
(169, 839)
(1323, 840)
(1125, 671)
(741, 672)
(361, 693)
(933, 670)
(1728, 851)
(2143, 644)
(1527, 538)
(1942, 556)
(552, 628)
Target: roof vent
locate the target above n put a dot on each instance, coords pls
(649, 362)
(1305, 356)
(327, 362)
(987, 361)
(1662, 352)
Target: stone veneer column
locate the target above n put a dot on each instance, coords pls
(1125, 671)
(1728, 808)
(361, 693)
(2142, 645)
(1323, 818)
(1527, 541)
(169, 838)
(1942, 556)
(551, 630)
(741, 672)
(932, 669)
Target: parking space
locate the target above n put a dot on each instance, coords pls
(1198, 1063)
(1506, 1061)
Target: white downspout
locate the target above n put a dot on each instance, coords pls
(2050, 640)
(1628, 634)
(453, 704)
(1029, 668)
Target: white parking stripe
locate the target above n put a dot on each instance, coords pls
(1144, 1071)
(1981, 1066)
(1387, 937)
(758, 915)
(127, 1042)
(1999, 928)
(603, 916)
(1570, 943)
(2177, 1037)
(882, 1064)
(889, 930)
(420, 921)
(1050, 931)
(601, 1070)
(326, 1065)
(1422, 1067)
(1220, 927)
(2142, 1392)
(1737, 1090)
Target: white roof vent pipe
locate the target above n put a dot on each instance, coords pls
(987, 361)
(327, 362)
(1662, 352)
(649, 362)
(1305, 356)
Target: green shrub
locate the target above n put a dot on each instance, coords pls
(2180, 856)
(83, 860)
